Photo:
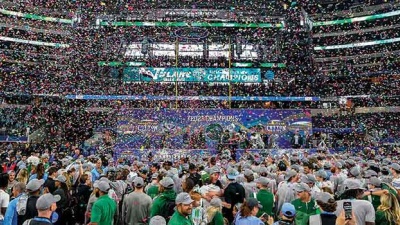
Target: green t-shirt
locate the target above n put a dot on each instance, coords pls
(178, 219)
(304, 211)
(103, 211)
(381, 219)
(152, 191)
(218, 219)
(266, 199)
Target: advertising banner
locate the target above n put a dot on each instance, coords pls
(211, 129)
(171, 74)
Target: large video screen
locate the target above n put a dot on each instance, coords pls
(141, 129)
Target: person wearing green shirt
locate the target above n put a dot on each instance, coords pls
(45, 161)
(265, 197)
(388, 212)
(152, 188)
(183, 211)
(167, 194)
(305, 205)
(214, 212)
(104, 209)
(374, 192)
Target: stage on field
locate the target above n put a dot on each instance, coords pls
(211, 129)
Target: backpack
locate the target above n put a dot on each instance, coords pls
(21, 204)
(71, 210)
(169, 209)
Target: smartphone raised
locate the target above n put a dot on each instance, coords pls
(265, 216)
(348, 210)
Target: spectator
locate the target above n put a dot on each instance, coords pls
(104, 209)
(136, 206)
(287, 215)
(363, 210)
(11, 181)
(265, 197)
(22, 176)
(248, 212)
(327, 205)
(83, 194)
(214, 212)
(234, 193)
(11, 216)
(305, 205)
(33, 188)
(152, 188)
(162, 204)
(50, 183)
(63, 203)
(182, 215)
(388, 212)
(46, 207)
(157, 220)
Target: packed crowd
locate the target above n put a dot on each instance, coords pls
(66, 187)
(70, 70)
(63, 181)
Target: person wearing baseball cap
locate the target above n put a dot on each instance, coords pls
(248, 212)
(286, 192)
(234, 193)
(182, 214)
(327, 205)
(46, 205)
(167, 196)
(158, 220)
(286, 215)
(136, 206)
(395, 170)
(152, 188)
(265, 197)
(373, 194)
(62, 191)
(363, 210)
(305, 204)
(214, 177)
(33, 188)
(105, 208)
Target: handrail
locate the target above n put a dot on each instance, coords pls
(38, 30)
(357, 44)
(367, 11)
(357, 19)
(50, 44)
(372, 55)
(333, 34)
(36, 54)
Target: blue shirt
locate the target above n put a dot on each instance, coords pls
(95, 175)
(34, 176)
(11, 216)
(250, 220)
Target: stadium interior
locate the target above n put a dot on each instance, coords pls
(71, 71)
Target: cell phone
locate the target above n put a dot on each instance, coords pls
(265, 216)
(348, 209)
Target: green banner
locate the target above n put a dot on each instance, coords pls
(35, 17)
(272, 65)
(104, 63)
